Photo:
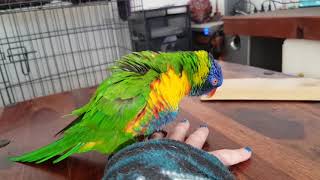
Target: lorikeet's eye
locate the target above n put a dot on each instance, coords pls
(214, 82)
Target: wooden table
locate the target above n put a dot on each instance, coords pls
(284, 136)
(301, 23)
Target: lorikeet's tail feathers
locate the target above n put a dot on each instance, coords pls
(64, 147)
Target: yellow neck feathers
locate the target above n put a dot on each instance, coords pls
(203, 67)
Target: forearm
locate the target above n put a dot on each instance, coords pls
(165, 159)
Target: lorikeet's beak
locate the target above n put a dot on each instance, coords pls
(212, 92)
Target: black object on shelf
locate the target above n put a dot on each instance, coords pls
(163, 29)
(124, 9)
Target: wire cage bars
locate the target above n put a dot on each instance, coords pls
(47, 47)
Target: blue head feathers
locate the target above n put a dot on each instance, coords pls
(213, 80)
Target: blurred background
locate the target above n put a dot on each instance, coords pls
(51, 46)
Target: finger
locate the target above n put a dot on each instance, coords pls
(198, 138)
(158, 135)
(180, 131)
(231, 157)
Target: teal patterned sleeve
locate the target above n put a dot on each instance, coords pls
(164, 159)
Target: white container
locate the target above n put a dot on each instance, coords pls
(301, 57)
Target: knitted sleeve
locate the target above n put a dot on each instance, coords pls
(164, 159)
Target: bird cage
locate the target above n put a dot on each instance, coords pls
(49, 46)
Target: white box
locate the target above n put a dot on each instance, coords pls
(301, 57)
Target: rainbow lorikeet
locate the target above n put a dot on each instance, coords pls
(140, 97)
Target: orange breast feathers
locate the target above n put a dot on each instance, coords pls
(165, 95)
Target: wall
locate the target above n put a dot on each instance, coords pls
(277, 5)
(150, 4)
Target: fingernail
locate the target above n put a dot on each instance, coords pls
(184, 120)
(248, 149)
(203, 126)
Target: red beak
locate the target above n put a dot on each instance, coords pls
(212, 92)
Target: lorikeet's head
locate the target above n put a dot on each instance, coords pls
(208, 76)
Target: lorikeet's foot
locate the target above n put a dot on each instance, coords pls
(158, 135)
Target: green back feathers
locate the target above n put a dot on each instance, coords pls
(196, 64)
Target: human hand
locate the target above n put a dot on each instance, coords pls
(197, 139)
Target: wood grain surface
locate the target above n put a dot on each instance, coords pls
(284, 136)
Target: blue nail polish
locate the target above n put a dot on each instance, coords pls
(203, 126)
(248, 149)
(184, 120)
